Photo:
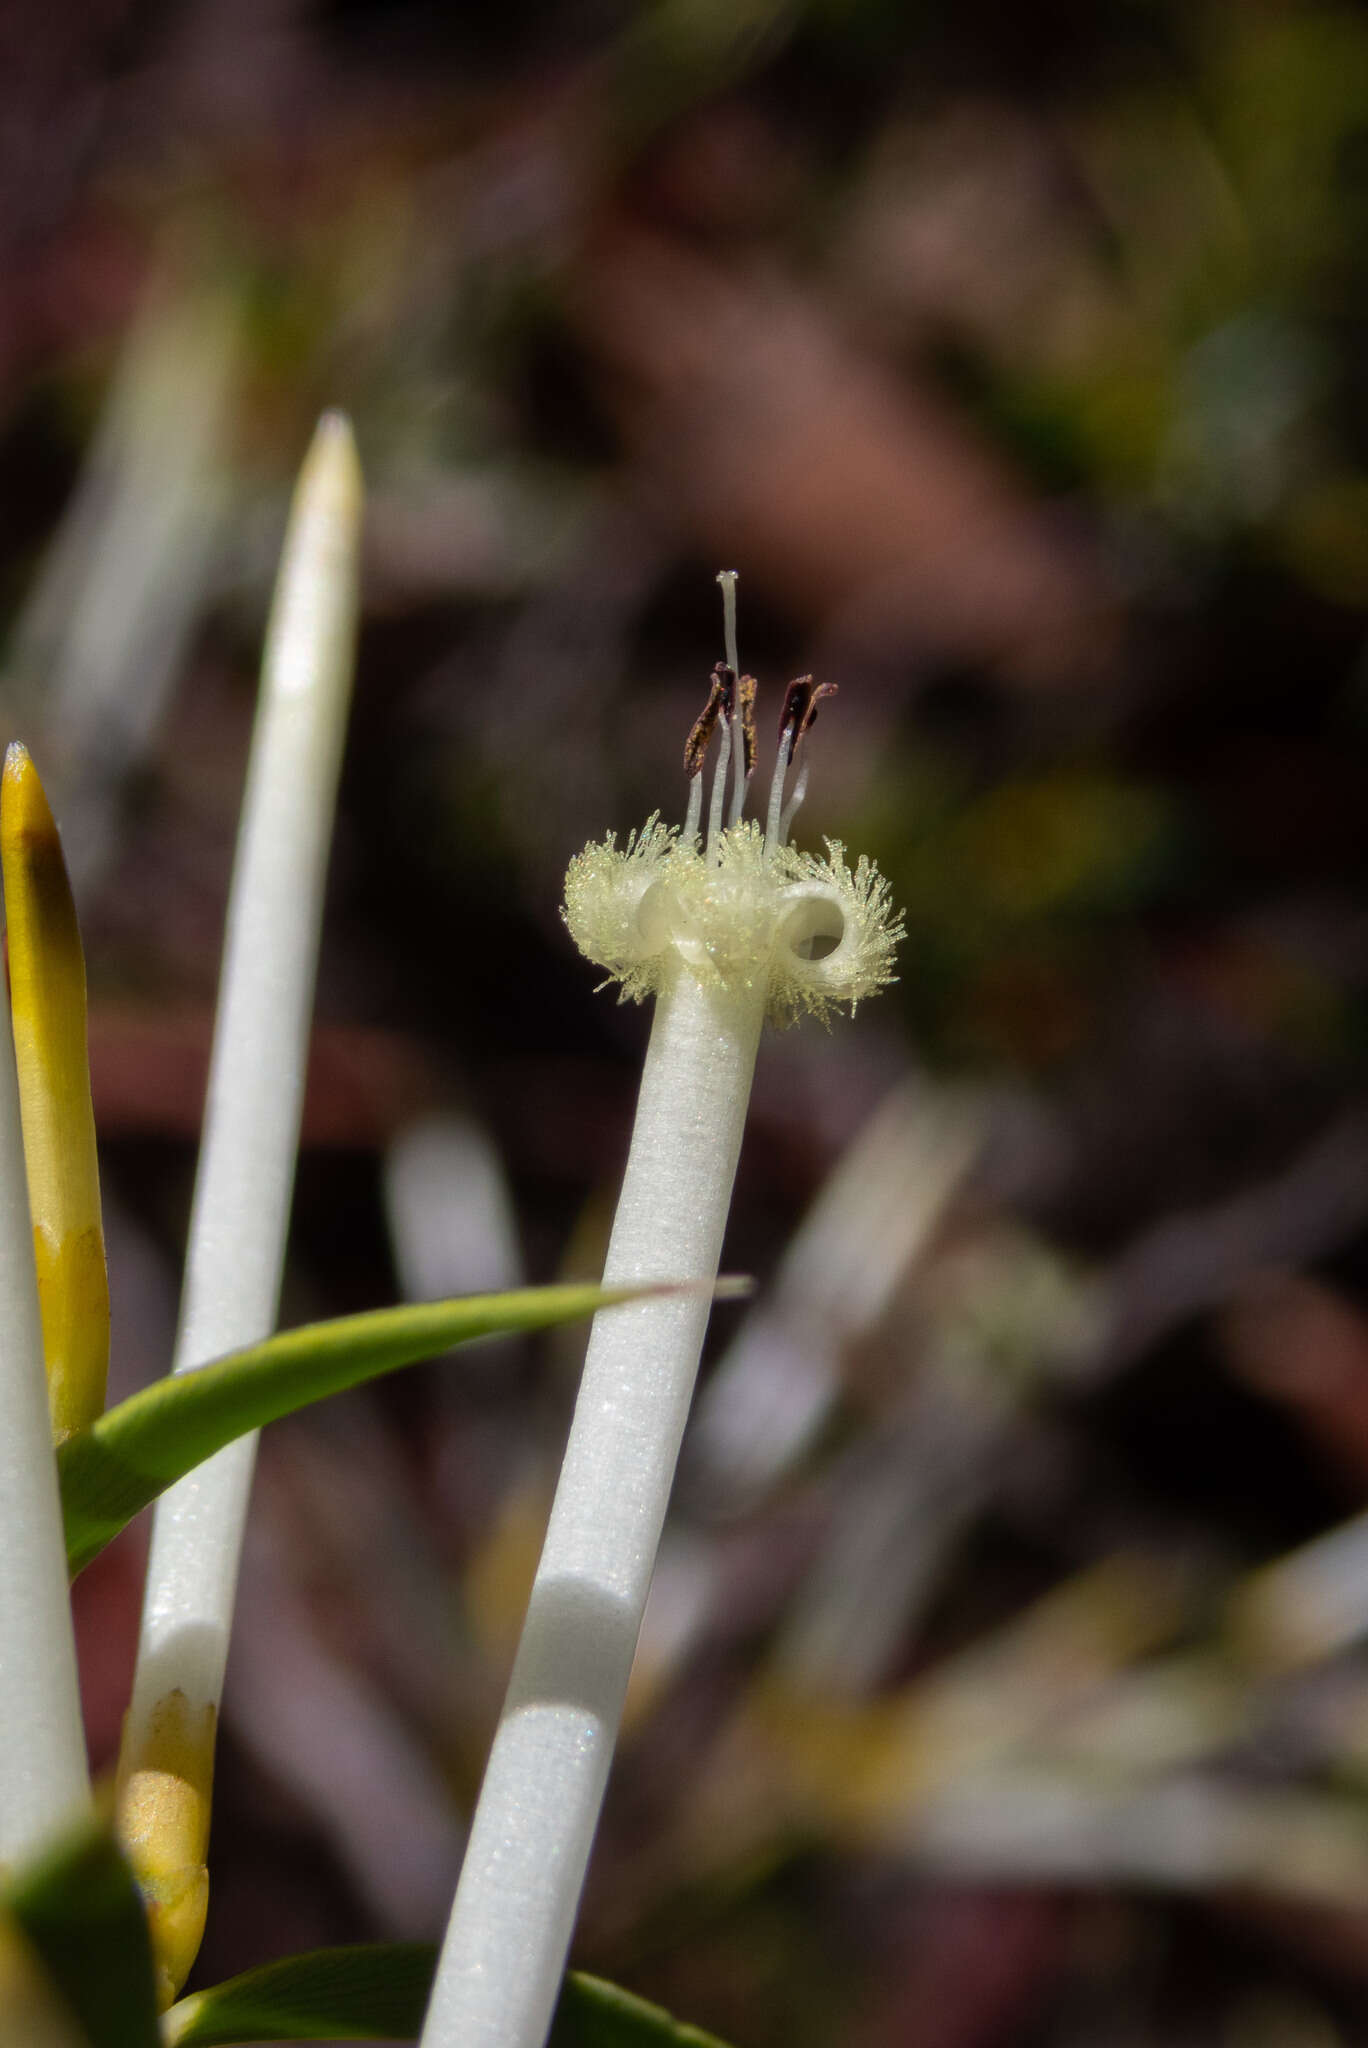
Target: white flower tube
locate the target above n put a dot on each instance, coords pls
(529, 1845)
(722, 937)
(246, 1175)
(44, 1782)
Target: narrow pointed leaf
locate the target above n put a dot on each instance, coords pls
(81, 1913)
(381, 1992)
(594, 2014)
(48, 1001)
(112, 1470)
(376, 1992)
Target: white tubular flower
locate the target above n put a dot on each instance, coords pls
(723, 934)
(243, 1185)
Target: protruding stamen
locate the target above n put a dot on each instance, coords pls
(720, 708)
(721, 698)
(801, 699)
(721, 705)
(727, 578)
(799, 713)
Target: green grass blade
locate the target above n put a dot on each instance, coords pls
(593, 2014)
(82, 1915)
(380, 1993)
(112, 1470)
(373, 1993)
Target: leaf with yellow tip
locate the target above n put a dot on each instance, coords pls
(48, 1002)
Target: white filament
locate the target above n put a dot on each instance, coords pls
(741, 773)
(256, 1077)
(740, 784)
(774, 823)
(719, 786)
(794, 804)
(694, 814)
(505, 1950)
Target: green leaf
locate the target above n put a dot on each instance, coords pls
(112, 1470)
(593, 2014)
(82, 1914)
(31, 2009)
(372, 1993)
(381, 1992)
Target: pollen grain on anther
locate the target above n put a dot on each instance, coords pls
(721, 704)
(745, 708)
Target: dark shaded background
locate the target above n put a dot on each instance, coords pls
(1015, 358)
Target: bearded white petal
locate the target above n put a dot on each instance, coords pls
(817, 935)
(618, 906)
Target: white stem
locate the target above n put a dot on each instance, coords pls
(524, 1866)
(256, 1077)
(44, 1783)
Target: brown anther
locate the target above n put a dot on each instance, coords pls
(721, 704)
(745, 708)
(800, 707)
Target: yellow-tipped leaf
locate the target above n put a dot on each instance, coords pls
(48, 1000)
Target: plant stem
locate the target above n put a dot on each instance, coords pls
(524, 1867)
(251, 1129)
(43, 1777)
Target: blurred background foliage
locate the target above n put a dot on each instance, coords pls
(1005, 1676)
